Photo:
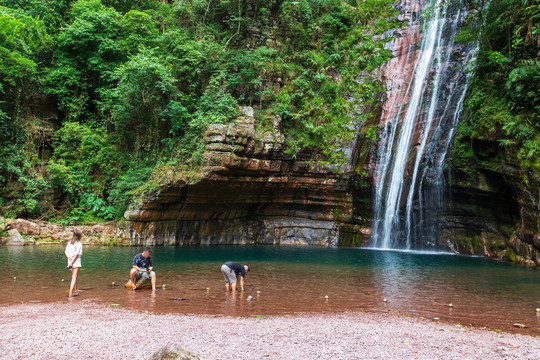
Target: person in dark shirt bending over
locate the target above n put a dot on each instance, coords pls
(142, 266)
(232, 269)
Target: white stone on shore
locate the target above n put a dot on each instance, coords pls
(15, 238)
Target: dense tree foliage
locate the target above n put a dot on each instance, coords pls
(134, 83)
(504, 99)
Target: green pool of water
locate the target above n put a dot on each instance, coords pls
(286, 280)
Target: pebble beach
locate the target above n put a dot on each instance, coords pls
(98, 331)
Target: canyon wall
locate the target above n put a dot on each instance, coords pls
(250, 192)
(489, 207)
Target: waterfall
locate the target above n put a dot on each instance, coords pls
(426, 82)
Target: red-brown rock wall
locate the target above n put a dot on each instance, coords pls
(251, 193)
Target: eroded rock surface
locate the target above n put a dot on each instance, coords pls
(251, 193)
(495, 209)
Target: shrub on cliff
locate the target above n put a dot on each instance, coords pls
(503, 101)
(136, 83)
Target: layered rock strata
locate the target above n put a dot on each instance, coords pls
(250, 193)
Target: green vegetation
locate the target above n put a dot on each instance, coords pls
(97, 95)
(503, 102)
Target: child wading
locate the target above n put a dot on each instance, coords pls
(74, 253)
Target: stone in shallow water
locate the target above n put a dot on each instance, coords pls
(174, 352)
(142, 283)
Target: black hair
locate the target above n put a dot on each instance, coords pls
(249, 269)
(148, 249)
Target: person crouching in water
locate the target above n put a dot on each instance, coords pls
(142, 266)
(232, 269)
(73, 253)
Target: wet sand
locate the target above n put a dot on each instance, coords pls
(91, 331)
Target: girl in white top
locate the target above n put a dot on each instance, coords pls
(73, 253)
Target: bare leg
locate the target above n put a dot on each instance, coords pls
(233, 285)
(226, 287)
(132, 277)
(153, 280)
(74, 275)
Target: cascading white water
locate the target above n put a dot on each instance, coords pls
(409, 176)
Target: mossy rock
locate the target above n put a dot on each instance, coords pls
(174, 352)
(511, 255)
(467, 243)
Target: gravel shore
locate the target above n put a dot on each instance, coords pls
(90, 331)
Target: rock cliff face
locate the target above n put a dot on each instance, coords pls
(495, 208)
(425, 86)
(250, 193)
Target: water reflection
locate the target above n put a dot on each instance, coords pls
(287, 280)
(396, 277)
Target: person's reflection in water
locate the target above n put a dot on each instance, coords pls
(152, 299)
(242, 302)
(229, 303)
(234, 304)
(138, 301)
(131, 298)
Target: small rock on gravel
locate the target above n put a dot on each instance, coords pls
(174, 352)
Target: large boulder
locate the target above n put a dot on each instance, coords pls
(174, 352)
(97, 229)
(15, 238)
(26, 227)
